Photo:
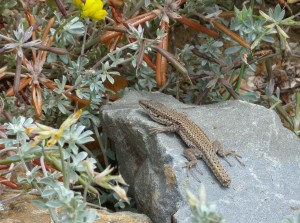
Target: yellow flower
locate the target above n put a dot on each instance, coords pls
(71, 120)
(91, 8)
(45, 132)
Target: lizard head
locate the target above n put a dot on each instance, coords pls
(158, 112)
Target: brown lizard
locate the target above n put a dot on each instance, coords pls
(199, 144)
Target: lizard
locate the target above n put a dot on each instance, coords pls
(194, 137)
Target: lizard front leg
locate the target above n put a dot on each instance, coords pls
(169, 128)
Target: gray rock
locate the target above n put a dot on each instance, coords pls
(267, 189)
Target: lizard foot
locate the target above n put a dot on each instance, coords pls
(190, 164)
(235, 155)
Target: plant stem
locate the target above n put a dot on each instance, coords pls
(102, 148)
(81, 181)
(240, 78)
(63, 166)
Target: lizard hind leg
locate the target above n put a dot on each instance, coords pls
(218, 148)
(191, 155)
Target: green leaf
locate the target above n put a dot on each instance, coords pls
(281, 32)
(48, 192)
(268, 39)
(289, 22)
(266, 16)
(14, 158)
(54, 204)
(110, 79)
(217, 44)
(75, 27)
(81, 156)
(233, 49)
(64, 58)
(47, 181)
(78, 80)
(62, 108)
(281, 15)
(39, 203)
(52, 57)
(278, 13)
(250, 96)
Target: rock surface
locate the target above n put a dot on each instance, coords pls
(122, 217)
(265, 190)
(21, 210)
